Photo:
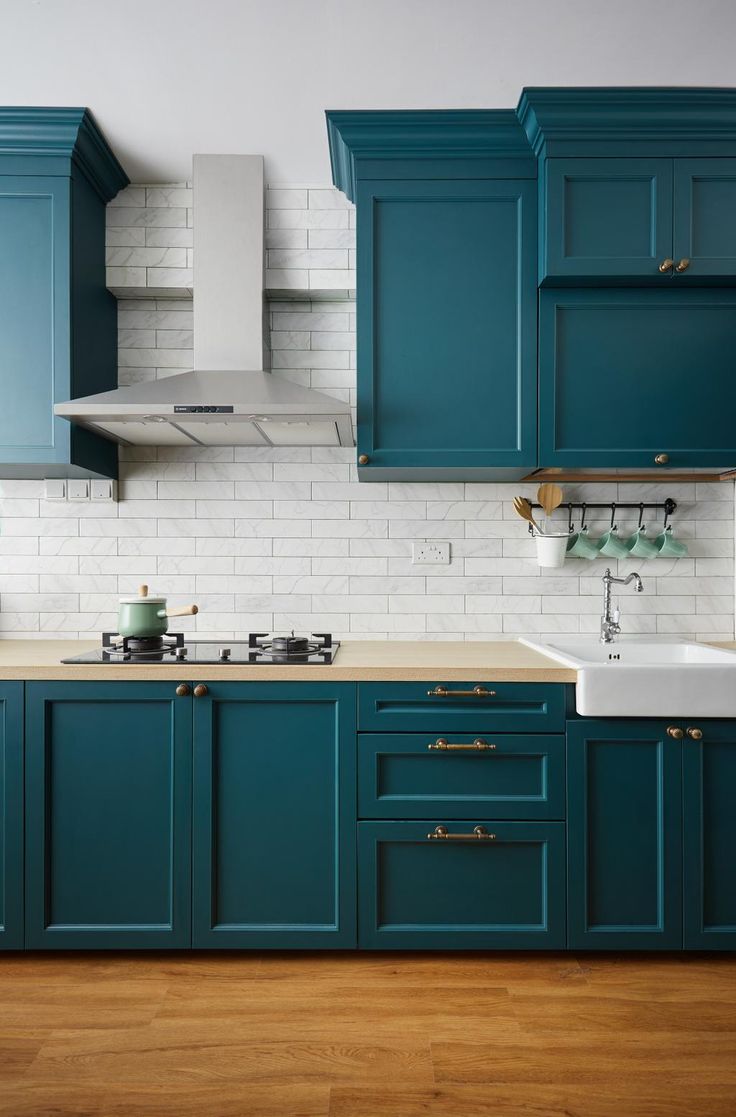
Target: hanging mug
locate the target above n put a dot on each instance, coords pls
(583, 546)
(666, 544)
(638, 544)
(611, 544)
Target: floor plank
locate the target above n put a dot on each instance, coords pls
(374, 1035)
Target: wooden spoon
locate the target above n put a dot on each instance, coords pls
(523, 508)
(550, 497)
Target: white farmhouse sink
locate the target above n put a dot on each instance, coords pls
(635, 677)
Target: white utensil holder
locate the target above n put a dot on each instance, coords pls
(551, 549)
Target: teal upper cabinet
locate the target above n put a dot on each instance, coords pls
(446, 235)
(274, 815)
(634, 378)
(606, 218)
(11, 816)
(636, 185)
(57, 320)
(108, 812)
(709, 892)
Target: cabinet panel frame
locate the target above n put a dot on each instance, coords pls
(11, 816)
(40, 696)
(703, 268)
(278, 937)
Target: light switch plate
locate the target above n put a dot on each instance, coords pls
(54, 489)
(77, 490)
(429, 552)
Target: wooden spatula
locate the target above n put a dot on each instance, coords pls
(550, 497)
(523, 508)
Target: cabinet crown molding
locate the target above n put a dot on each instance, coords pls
(412, 134)
(70, 134)
(683, 118)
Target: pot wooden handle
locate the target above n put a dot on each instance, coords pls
(183, 611)
(143, 591)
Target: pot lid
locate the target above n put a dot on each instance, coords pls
(141, 598)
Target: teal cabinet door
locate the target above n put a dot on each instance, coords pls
(35, 353)
(606, 218)
(709, 779)
(628, 375)
(446, 328)
(624, 823)
(274, 815)
(11, 816)
(419, 892)
(705, 218)
(108, 813)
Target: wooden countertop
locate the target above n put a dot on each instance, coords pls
(356, 661)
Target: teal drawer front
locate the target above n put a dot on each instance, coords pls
(420, 893)
(412, 775)
(438, 707)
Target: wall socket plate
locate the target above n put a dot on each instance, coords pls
(429, 552)
(77, 490)
(103, 490)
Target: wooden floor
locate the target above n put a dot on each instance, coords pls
(367, 1036)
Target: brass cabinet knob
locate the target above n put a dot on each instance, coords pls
(200, 690)
(666, 264)
(683, 265)
(182, 690)
(661, 459)
(672, 731)
(694, 733)
(363, 459)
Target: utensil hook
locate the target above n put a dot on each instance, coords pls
(641, 515)
(569, 519)
(666, 517)
(613, 515)
(582, 517)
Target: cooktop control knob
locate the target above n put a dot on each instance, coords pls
(224, 653)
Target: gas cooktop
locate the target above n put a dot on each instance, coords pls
(260, 648)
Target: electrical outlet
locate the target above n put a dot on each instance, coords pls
(103, 490)
(430, 553)
(77, 490)
(55, 489)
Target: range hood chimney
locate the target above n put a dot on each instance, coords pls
(230, 399)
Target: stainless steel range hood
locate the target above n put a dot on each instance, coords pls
(229, 400)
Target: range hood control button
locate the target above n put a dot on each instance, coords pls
(224, 653)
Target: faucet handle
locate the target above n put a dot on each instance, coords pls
(616, 616)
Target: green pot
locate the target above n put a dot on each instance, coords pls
(147, 616)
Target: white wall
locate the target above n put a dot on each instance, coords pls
(170, 77)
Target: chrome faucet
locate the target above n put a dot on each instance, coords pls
(610, 628)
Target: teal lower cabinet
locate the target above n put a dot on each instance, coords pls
(108, 797)
(624, 816)
(709, 779)
(504, 889)
(274, 815)
(11, 816)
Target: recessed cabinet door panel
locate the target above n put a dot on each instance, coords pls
(108, 801)
(705, 217)
(274, 829)
(624, 836)
(11, 816)
(34, 317)
(709, 780)
(418, 893)
(626, 375)
(607, 217)
(467, 707)
(446, 317)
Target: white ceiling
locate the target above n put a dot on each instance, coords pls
(166, 78)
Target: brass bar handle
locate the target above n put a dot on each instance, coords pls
(694, 733)
(480, 834)
(443, 745)
(666, 264)
(683, 265)
(675, 732)
(476, 692)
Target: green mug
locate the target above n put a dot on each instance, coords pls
(669, 547)
(582, 546)
(612, 545)
(639, 546)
